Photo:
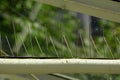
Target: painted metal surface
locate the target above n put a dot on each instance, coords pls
(26, 66)
(106, 9)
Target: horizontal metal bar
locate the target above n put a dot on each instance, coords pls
(13, 77)
(65, 77)
(106, 9)
(20, 66)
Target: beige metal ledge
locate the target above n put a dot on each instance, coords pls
(106, 9)
(35, 66)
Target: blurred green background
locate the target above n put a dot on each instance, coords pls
(29, 28)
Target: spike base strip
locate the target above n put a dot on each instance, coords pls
(25, 66)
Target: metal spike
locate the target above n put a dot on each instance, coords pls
(67, 45)
(34, 77)
(94, 45)
(38, 45)
(24, 47)
(15, 40)
(85, 52)
(108, 46)
(9, 45)
(54, 46)
(30, 37)
(118, 40)
(2, 53)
